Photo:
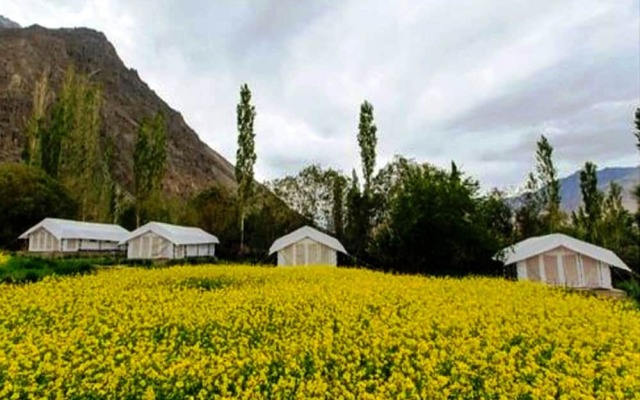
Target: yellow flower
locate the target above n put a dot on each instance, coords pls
(318, 332)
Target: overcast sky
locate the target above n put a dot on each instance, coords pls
(475, 81)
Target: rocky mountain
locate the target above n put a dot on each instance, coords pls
(6, 23)
(627, 177)
(27, 53)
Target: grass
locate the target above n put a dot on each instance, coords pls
(18, 269)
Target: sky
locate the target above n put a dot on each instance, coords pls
(474, 81)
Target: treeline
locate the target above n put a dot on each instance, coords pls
(69, 171)
(417, 218)
(405, 216)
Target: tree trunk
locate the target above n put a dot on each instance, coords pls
(242, 231)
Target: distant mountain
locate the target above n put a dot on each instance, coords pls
(6, 23)
(627, 177)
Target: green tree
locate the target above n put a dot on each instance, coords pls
(338, 199)
(27, 196)
(63, 138)
(540, 212)
(37, 121)
(637, 124)
(589, 214)
(367, 140)
(149, 162)
(636, 190)
(315, 193)
(528, 214)
(83, 166)
(550, 186)
(245, 155)
(437, 225)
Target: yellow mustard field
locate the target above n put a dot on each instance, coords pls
(319, 332)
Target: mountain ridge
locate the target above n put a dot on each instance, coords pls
(571, 197)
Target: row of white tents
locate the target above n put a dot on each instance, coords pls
(156, 240)
(554, 259)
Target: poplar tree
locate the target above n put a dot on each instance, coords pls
(367, 141)
(590, 212)
(548, 178)
(41, 94)
(149, 161)
(636, 190)
(245, 155)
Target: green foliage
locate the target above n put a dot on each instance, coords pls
(636, 190)
(540, 212)
(246, 154)
(367, 140)
(637, 126)
(216, 210)
(587, 218)
(32, 269)
(437, 224)
(315, 193)
(63, 138)
(27, 196)
(632, 287)
(149, 163)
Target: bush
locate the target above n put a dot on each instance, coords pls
(632, 287)
(33, 269)
(27, 196)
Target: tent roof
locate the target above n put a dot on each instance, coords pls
(540, 244)
(306, 232)
(174, 233)
(67, 229)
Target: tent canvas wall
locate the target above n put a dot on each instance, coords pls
(307, 246)
(157, 240)
(59, 235)
(562, 260)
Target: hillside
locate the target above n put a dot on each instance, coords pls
(28, 52)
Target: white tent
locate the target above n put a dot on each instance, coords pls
(157, 240)
(61, 235)
(559, 259)
(307, 246)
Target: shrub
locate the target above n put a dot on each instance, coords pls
(33, 269)
(27, 196)
(632, 287)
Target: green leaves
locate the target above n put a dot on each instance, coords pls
(367, 140)
(149, 160)
(246, 153)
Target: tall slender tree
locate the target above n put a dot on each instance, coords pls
(339, 183)
(149, 161)
(35, 127)
(589, 214)
(548, 178)
(636, 190)
(245, 155)
(637, 124)
(367, 140)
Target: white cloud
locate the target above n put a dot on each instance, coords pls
(471, 81)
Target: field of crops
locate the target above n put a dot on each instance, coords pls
(250, 332)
